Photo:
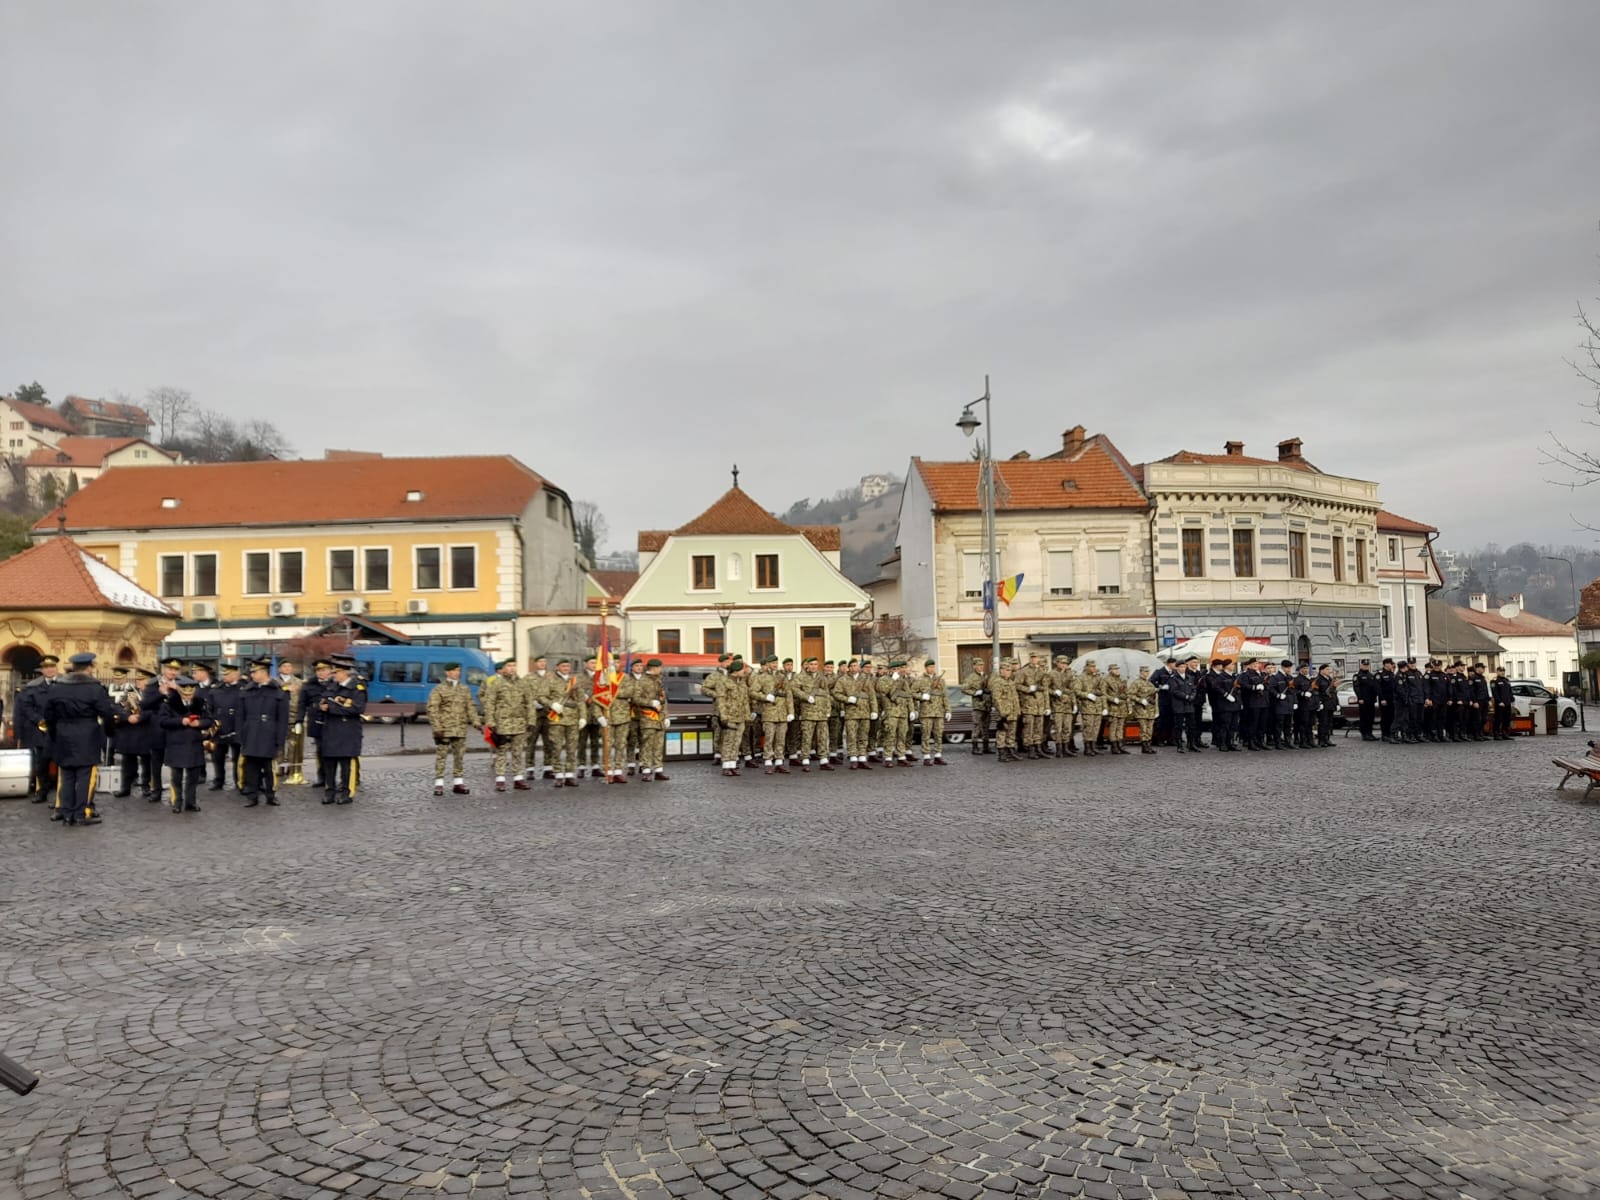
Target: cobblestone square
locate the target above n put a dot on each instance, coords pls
(1364, 972)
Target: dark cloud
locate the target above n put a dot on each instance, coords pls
(634, 243)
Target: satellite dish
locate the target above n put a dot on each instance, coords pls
(1509, 611)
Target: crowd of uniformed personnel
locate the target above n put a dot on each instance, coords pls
(169, 729)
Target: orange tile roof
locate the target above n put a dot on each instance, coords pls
(106, 410)
(80, 451)
(1238, 460)
(736, 513)
(59, 574)
(1398, 524)
(1096, 477)
(1524, 624)
(615, 584)
(309, 492)
(39, 414)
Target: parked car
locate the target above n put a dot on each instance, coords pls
(1528, 693)
(959, 727)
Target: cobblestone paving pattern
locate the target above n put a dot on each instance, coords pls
(1368, 972)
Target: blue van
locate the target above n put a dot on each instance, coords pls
(406, 674)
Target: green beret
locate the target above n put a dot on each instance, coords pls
(560, 662)
(654, 662)
(810, 659)
(722, 658)
(898, 662)
(771, 658)
(503, 663)
(929, 662)
(736, 664)
(452, 666)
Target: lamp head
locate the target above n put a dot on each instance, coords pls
(968, 424)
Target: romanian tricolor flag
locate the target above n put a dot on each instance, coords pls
(1009, 587)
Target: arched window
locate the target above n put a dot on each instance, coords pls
(1302, 649)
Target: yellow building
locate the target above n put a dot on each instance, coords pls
(447, 551)
(56, 598)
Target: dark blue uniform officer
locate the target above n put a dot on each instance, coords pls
(78, 716)
(261, 725)
(1162, 678)
(311, 695)
(342, 706)
(28, 720)
(1280, 690)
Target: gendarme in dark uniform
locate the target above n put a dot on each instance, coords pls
(311, 714)
(342, 706)
(29, 723)
(78, 716)
(261, 726)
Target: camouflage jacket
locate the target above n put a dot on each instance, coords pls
(809, 690)
(451, 710)
(506, 708)
(1090, 691)
(1142, 697)
(932, 686)
(1007, 702)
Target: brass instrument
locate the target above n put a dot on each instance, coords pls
(292, 765)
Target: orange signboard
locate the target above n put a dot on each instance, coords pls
(1229, 643)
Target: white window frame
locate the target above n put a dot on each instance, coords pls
(1054, 589)
(191, 578)
(355, 570)
(716, 585)
(448, 565)
(366, 584)
(1102, 589)
(416, 574)
(161, 576)
(1394, 549)
(755, 572)
(277, 572)
(982, 574)
(244, 573)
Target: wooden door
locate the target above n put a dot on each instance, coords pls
(812, 642)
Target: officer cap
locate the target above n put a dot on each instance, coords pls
(81, 660)
(452, 666)
(1388, 662)
(185, 681)
(1324, 666)
(119, 672)
(321, 664)
(1035, 654)
(49, 660)
(503, 663)
(1114, 667)
(654, 662)
(1192, 658)
(1062, 658)
(144, 673)
(1286, 663)
(233, 666)
(198, 665)
(341, 662)
(171, 662)
(1366, 662)
(1171, 659)
(261, 664)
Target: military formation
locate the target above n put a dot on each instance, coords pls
(172, 729)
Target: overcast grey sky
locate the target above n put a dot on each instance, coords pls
(632, 243)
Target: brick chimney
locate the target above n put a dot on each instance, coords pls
(1478, 602)
(1234, 449)
(1072, 441)
(1289, 451)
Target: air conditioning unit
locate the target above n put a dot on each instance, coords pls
(352, 606)
(202, 610)
(280, 608)
(416, 606)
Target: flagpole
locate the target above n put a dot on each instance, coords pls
(605, 673)
(989, 524)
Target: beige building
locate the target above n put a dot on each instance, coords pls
(1276, 547)
(1407, 575)
(1531, 646)
(1074, 525)
(59, 470)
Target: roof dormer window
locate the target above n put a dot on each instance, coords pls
(169, 502)
(413, 497)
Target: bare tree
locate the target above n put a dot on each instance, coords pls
(1582, 467)
(590, 526)
(212, 436)
(262, 439)
(892, 638)
(171, 407)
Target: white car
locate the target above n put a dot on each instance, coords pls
(1530, 692)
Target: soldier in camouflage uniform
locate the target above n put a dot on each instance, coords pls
(451, 715)
(507, 712)
(769, 694)
(931, 699)
(615, 722)
(566, 699)
(895, 700)
(870, 674)
(1007, 710)
(852, 700)
(1063, 709)
(1033, 691)
(976, 685)
(539, 726)
(789, 735)
(589, 738)
(648, 696)
(1089, 691)
(732, 696)
(835, 727)
(1143, 705)
(808, 691)
(1116, 708)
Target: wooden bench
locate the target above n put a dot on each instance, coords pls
(1588, 767)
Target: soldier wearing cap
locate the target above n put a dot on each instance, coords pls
(131, 738)
(767, 693)
(1280, 717)
(1253, 687)
(977, 686)
(896, 700)
(871, 673)
(1061, 715)
(1161, 680)
(1326, 690)
(152, 702)
(1142, 707)
(1116, 690)
(566, 701)
(931, 698)
(1366, 688)
(187, 725)
(631, 750)
(589, 737)
(853, 704)
(1195, 670)
(508, 713)
(1223, 692)
(834, 728)
(648, 696)
(1033, 692)
(1387, 681)
(708, 688)
(808, 691)
(261, 727)
(733, 709)
(77, 715)
(1090, 695)
(618, 715)
(222, 702)
(1007, 710)
(1503, 700)
(452, 713)
(312, 692)
(1181, 688)
(342, 707)
(28, 720)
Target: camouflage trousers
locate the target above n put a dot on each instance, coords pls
(1146, 727)
(814, 739)
(623, 735)
(563, 747)
(652, 743)
(1033, 729)
(896, 734)
(446, 747)
(836, 733)
(773, 734)
(855, 737)
(932, 736)
(1005, 732)
(589, 745)
(1116, 728)
(509, 748)
(732, 742)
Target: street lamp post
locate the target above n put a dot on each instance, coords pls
(1577, 640)
(968, 424)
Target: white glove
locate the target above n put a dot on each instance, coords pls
(811, 699)
(1091, 696)
(927, 696)
(790, 717)
(298, 727)
(1232, 699)
(874, 716)
(555, 707)
(771, 699)
(1033, 687)
(1164, 687)
(666, 721)
(849, 699)
(600, 721)
(1049, 712)
(1057, 692)
(913, 714)
(947, 716)
(752, 716)
(656, 704)
(582, 721)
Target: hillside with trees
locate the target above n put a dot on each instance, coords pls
(1523, 569)
(866, 527)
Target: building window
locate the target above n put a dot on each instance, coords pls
(972, 574)
(713, 641)
(1551, 673)
(1194, 553)
(171, 572)
(291, 572)
(1058, 565)
(205, 574)
(257, 573)
(763, 641)
(668, 641)
(341, 570)
(1244, 553)
(375, 568)
(1394, 549)
(1384, 611)
(426, 573)
(1338, 559)
(463, 567)
(1411, 626)
(552, 506)
(1297, 555)
(766, 570)
(1108, 572)
(1361, 560)
(704, 569)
